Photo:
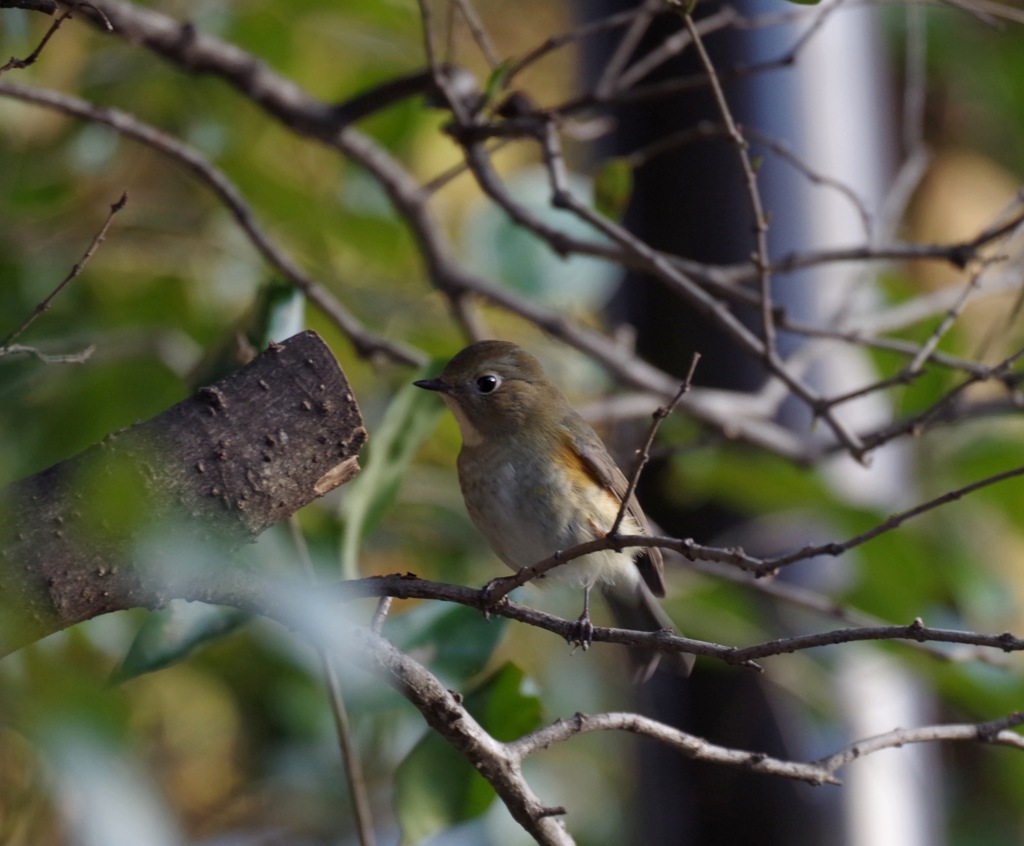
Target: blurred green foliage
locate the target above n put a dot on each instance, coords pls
(436, 787)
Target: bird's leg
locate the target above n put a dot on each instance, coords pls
(582, 632)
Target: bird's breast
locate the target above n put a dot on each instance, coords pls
(531, 503)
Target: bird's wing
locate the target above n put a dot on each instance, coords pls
(597, 461)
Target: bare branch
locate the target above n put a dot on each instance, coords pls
(365, 342)
(916, 631)
(630, 40)
(760, 258)
(688, 745)
(656, 264)
(709, 289)
(18, 64)
(951, 316)
(501, 763)
(476, 27)
(408, 586)
(444, 712)
(644, 453)
(821, 771)
(499, 588)
(995, 731)
(44, 306)
(801, 597)
(47, 7)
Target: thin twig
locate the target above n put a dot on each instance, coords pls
(809, 600)
(951, 316)
(659, 265)
(707, 130)
(47, 7)
(623, 52)
(42, 307)
(689, 745)
(916, 631)
(945, 408)
(406, 586)
(366, 343)
(735, 556)
(760, 257)
(476, 27)
(786, 154)
(672, 46)
(994, 731)
(959, 254)
(901, 379)
(644, 453)
(18, 64)
(887, 525)
(821, 771)
(856, 337)
(583, 31)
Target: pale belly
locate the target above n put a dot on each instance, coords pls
(526, 513)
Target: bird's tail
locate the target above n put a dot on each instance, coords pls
(635, 607)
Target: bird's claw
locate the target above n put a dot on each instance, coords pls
(581, 634)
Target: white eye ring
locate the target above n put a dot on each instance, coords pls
(488, 383)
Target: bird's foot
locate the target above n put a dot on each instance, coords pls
(581, 634)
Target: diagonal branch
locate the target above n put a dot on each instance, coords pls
(365, 342)
(76, 269)
(760, 257)
(644, 453)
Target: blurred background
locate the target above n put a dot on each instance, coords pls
(191, 725)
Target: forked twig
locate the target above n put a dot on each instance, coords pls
(19, 64)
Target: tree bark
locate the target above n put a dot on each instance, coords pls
(77, 539)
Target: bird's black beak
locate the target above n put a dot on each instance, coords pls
(433, 385)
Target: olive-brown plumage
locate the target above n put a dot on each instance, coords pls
(536, 479)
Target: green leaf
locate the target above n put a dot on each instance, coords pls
(281, 314)
(277, 313)
(613, 187)
(435, 787)
(173, 633)
(459, 640)
(407, 421)
(496, 81)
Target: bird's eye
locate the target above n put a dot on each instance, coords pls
(487, 383)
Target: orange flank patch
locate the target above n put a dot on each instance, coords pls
(583, 478)
(574, 465)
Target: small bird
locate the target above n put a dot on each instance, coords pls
(537, 479)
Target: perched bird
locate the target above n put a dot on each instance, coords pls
(537, 479)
